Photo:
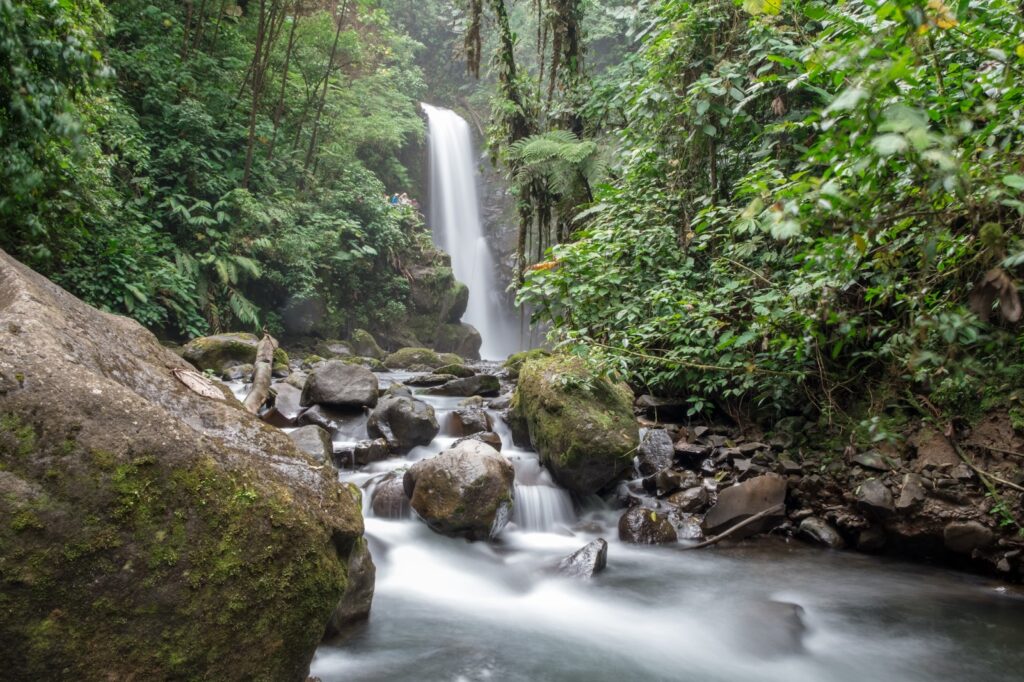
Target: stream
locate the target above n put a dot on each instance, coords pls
(447, 609)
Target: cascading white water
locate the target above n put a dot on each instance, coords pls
(458, 229)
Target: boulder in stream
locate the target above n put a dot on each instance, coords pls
(388, 500)
(641, 526)
(404, 422)
(587, 561)
(314, 441)
(404, 358)
(819, 531)
(363, 343)
(336, 383)
(465, 491)
(466, 421)
(479, 384)
(137, 541)
(581, 424)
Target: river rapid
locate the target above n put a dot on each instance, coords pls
(765, 609)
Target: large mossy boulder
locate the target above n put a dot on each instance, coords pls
(222, 351)
(148, 532)
(404, 358)
(466, 491)
(515, 361)
(581, 424)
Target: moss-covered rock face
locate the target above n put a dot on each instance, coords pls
(147, 532)
(462, 339)
(582, 425)
(221, 351)
(515, 361)
(404, 358)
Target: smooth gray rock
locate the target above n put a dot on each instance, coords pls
(403, 422)
(388, 500)
(586, 561)
(819, 531)
(469, 420)
(691, 500)
(357, 598)
(314, 441)
(338, 384)
(743, 500)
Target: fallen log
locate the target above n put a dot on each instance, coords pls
(261, 374)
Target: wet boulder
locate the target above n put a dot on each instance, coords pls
(339, 384)
(237, 373)
(388, 500)
(641, 526)
(515, 361)
(581, 424)
(355, 602)
(487, 437)
(691, 500)
(743, 500)
(222, 351)
(466, 421)
(656, 452)
(820, 532)
(465, 491)
(287, 407)
(479, 384)
(144, 548)
(403, 422)
(370, 451)
(314, 441)
(428, 380)
(586, 561)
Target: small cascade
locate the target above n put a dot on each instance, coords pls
(540, 505)
(458, 229)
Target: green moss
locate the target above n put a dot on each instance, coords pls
(23, 434)
(515, 361)
(363, 343)
(407, 357)
(456, 370)
(581, 424)
(177, 571)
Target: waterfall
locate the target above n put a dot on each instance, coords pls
(458, 229)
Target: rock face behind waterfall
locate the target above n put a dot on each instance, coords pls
(464, 491)
(582, 426)
(148, 532)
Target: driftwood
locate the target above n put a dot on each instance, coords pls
(742, 524)
(264, 367)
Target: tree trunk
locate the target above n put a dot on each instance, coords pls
(311, 150)
(279, 108)
(261, 375)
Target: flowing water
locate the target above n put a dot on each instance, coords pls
(458, 229)
(450, 610)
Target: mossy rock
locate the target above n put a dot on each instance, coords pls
(581, 424)
(151, 532)
(409, 357)
(515, 361)
(451, 359)
(456, 370)
(221, 351)
(462, 339)
(363, 343)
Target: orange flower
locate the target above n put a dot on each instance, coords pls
(546, 265)
(944, 17)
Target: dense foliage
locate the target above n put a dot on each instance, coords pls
(811, 199)
(205, 165)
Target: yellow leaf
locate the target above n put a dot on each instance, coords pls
(1020, 51)
(861, 245)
